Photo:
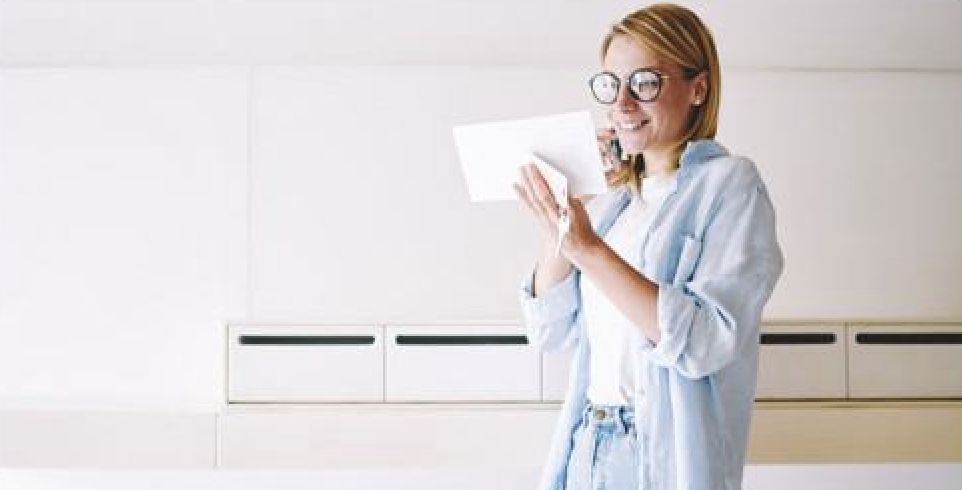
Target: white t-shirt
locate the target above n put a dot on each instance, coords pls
(611, 373)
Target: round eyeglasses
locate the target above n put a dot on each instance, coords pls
(644, 85)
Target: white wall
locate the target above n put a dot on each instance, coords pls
(360, 211)
(784, 34)
(141, 206)
(122, 233)
(859, 180)
(865, 174)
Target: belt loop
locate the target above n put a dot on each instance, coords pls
(586, 415)
(626, 415)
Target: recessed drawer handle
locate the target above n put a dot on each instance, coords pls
(909, 338)
(461, 340)
(306, 339)
(797, 338)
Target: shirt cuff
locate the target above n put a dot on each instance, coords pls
(557, 302)
(675, 312)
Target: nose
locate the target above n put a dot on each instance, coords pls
(624, 102)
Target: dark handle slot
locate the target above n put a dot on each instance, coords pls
(461, 340)
(909, 338)
(306, 339)
(797, 338)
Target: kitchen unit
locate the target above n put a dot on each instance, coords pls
(393, 395)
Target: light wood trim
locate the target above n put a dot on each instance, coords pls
(856, 432)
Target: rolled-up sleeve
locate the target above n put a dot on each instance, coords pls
(713, 309)
(550, 318)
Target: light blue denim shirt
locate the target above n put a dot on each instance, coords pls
(713, 252)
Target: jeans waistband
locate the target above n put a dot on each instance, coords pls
(620, 416)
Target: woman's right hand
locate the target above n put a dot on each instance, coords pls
(534, 192)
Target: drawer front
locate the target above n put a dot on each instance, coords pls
(876, 431)
(458, 363)
(305, 364)
(554, 380)
(905, 361)
(802, 362)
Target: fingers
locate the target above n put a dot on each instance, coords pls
(534, 191)
(526, 195)
(605, 135)
(523, 196)
(530, 202)
(544, 198)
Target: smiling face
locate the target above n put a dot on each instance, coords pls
(651, 128)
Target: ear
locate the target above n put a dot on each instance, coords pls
(699, 88)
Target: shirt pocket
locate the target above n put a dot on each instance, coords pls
(688, 257)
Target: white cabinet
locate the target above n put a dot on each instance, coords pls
(495, 363)
(555, 369)
(480, 396)
(860, 361)
(800, 361)
(908, 361)
(305, 364)
(460, 363)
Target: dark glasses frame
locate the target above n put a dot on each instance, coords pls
(631, 91)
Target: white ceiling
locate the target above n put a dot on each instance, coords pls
(780, 34)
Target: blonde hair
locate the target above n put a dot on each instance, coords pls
(679, 36)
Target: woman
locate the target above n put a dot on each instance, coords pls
(661, 282)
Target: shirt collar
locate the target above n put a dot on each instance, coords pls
(696, 152)
(700, 151)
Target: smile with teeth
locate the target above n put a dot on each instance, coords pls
(631, 126)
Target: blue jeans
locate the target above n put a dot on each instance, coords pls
(606, 450)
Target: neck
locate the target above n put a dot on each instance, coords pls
(657, 163)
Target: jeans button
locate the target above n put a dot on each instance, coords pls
(600, 414)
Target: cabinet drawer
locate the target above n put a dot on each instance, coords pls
(802, 362)
(866, 431)
(305, 364)
(458, 363)
(905, 361)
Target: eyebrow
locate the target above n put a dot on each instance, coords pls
(659, 69)
(648, 68)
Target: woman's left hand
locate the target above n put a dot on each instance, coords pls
(533, 189)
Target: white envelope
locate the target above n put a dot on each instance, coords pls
(491, 153)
